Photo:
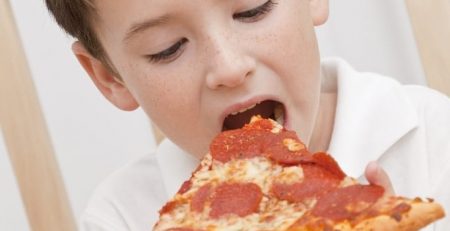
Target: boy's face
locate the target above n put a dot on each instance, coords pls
(191, 64)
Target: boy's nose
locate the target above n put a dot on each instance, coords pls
(229, 67)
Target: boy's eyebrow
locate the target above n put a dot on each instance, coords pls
(144, 25)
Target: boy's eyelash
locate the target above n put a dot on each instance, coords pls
(168, 53)
(247, 16)
(255, 12)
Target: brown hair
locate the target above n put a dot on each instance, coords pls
(75, 17)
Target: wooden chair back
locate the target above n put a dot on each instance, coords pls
(26, 137)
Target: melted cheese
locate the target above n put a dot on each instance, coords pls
(293, 145)
(273, 214)
(290, 175)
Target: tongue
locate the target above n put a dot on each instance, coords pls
(264, 109)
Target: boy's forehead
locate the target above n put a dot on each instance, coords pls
(122, 15)
(121, 20)
(145, 8)
(133, 16)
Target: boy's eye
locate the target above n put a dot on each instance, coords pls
(169, 53)
(256, 13)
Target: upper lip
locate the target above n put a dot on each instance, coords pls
(245, 104)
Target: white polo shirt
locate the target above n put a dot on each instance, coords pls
(405, 128)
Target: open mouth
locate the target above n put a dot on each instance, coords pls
(268, 109)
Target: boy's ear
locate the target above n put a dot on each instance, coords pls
(319, 11)
(109, 85)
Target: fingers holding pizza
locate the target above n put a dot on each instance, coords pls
(376, 175)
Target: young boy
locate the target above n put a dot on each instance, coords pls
(200, 67)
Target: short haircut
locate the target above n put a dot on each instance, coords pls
(76, 17)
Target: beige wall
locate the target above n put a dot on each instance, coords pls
(431, 24)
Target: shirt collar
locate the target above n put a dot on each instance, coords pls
(372, 114)
(175, 165)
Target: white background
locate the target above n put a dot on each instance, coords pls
(91, 138)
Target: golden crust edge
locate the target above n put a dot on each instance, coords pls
(420, 215)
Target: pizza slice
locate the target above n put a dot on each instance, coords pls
(262, 177)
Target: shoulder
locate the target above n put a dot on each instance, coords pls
(430, 107)
(350, 82)
(377, 85)
(128, 199)
(434, 114)
(433, 110)
(427, 99)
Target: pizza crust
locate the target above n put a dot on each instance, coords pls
(420, 215)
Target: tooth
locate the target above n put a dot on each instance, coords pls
(243, 110)
(279, 114)
(280, 120)
(246, 109)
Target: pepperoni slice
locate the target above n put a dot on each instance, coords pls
(238, 144)
(199, 199)
(348, 202)
(324, 160)
(185, 187)
(285, 148)
(317, 182)
(240, 199)
(168, 207)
